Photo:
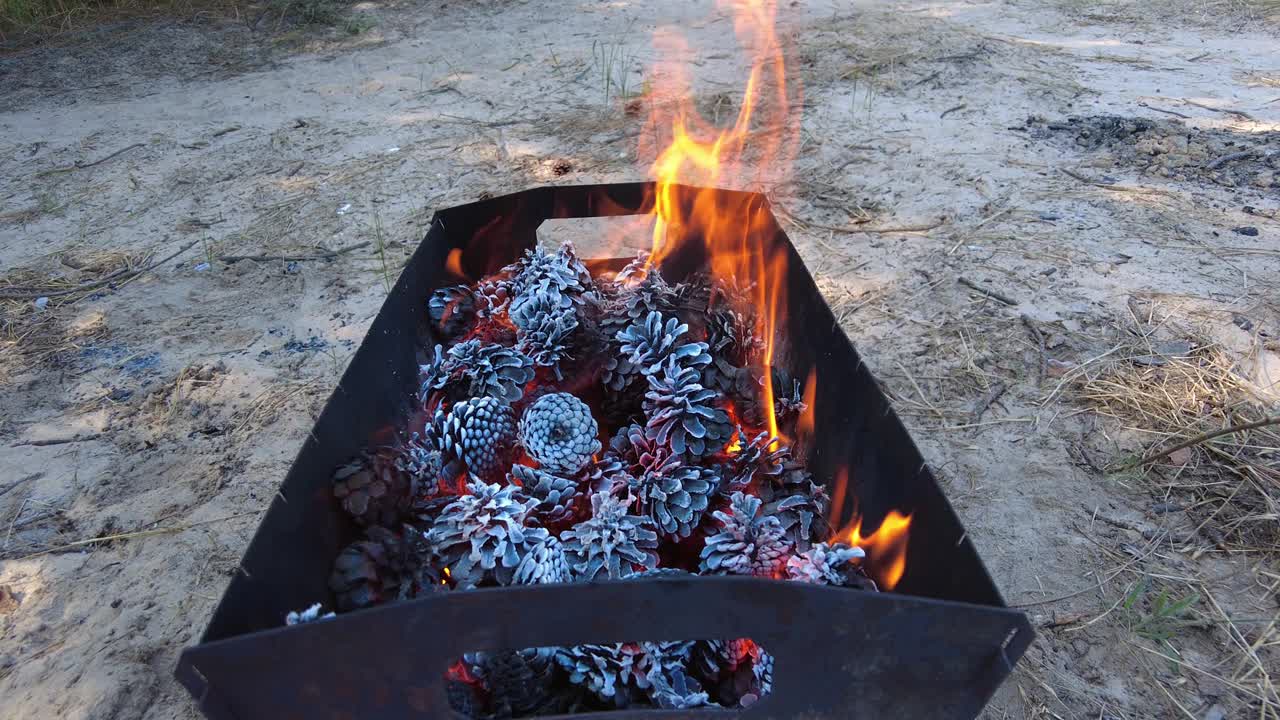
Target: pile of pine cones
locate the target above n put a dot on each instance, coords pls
(580, 428)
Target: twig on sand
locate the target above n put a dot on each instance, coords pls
(45, 442)
(1203, 437)
(1231, 157)
(1238, 113)
(117, 276)
(987, 400)
(33, 476)
(1039, 338)
(99, 161)
(229, 259)
(989, 293)
(136, 534)
(1174, 113)
(950, 110)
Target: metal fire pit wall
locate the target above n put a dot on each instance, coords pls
(936, 647)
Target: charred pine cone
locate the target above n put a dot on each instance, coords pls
(543, 563)
(373, 489)
(748, 542)
(559, 433)
(558, 498)
(518, 681)
(798, 502)
(736, 673)
(754, 461)
(611, 543)
(423, 463)
(488, 369)
(482, 536)
(480, 432)
(675, 495)
(613, 673)
(553, 280)
(823, 564)
(682, 413)
(384, 566)
(452, 309)
(543, 332)
(648, 345)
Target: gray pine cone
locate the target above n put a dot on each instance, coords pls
(736, 672)
(482, 536)
(825, 564)
(671, 688)
(754, 461)
(636, 452)
(493, 370)
(433, 374)
(611, 543)
(747, 543)
(798, 502)
(649, 344)
(543, 563)
(675, 495)
(481, 432)
(616, 674)
(423, 463)
(543, 330)
(373, 489)
(557, 497)
(559, 433)
(683, 414)
(518, 681)
(451, 310)
(383, 566)
(556, 279)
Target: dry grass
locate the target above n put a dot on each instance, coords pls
(1232, 482)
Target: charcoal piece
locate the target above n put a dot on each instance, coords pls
(683, 414)
(451, 309)
(648, 345)
(675, 495)
(825, 564)
(488, 369)
(481, 536)
(747, 542)
(383, 566)
(519, 681)
(558, 497)
(559, 433)
(611, 542)
(481, 432)
(544, 562)
(373, 489)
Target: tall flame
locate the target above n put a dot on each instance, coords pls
(759, 147)
(756, 150)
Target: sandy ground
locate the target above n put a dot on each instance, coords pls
(145, 421)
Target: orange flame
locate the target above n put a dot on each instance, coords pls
(758, 147)
(738, 236)
(886, 547)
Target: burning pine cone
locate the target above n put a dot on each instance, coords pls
(557, 497)
(493, 370)
(559, 433)
(480, 432)
(482, 536)
(748, 542)
(518, 681)
(682, 414)
(611, 542)
(649, 345)
(675, 495)
(825, 564)
(452, 309)
(544, 562)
